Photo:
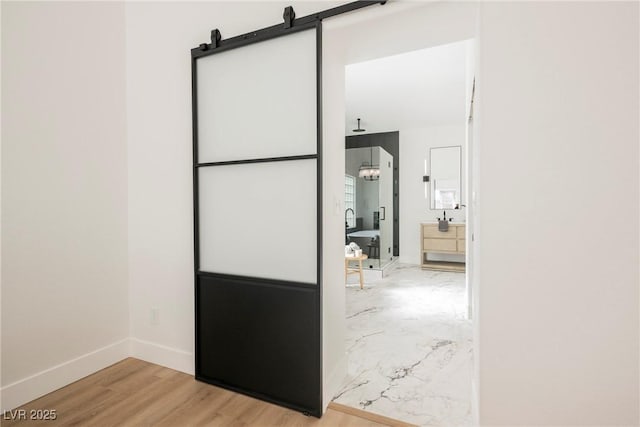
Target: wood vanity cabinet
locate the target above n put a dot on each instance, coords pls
(451, 241)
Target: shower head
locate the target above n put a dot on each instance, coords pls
(359, 130)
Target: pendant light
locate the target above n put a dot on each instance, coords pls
(369, 171)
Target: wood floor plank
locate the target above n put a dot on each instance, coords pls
(199, 409)
(137, 393)
(117, 372)
(68, 395)
(135, 402)
(85, 410)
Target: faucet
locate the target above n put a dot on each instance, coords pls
(444, 216)
(346, 225)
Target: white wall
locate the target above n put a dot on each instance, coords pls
(64, 194)
(415, 145)
(557, 135)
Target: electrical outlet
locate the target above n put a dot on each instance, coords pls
(155, 316)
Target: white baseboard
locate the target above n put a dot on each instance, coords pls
(173, 358)
(37, 385)
(333, 382)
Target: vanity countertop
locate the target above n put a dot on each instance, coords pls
(450, 223)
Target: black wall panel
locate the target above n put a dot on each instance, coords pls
(260, 337)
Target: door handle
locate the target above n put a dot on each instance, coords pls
(383, 214)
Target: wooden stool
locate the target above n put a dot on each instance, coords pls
(348, 270)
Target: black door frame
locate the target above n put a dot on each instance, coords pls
(291, 25)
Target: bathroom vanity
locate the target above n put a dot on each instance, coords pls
(450, 242)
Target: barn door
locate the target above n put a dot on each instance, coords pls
(257, 203)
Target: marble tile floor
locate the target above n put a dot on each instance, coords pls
(409, 346)
(372, 272)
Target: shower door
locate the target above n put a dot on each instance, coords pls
(257, 203)
(385, 200)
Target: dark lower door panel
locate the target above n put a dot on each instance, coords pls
(257, 336)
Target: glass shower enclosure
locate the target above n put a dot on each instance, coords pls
(369, 203)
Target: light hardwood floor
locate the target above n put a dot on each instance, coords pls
(138, 393)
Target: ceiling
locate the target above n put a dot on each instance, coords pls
(411, 90)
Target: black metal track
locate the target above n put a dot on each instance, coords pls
(299, 24)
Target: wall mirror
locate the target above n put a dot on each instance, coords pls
(445, 166)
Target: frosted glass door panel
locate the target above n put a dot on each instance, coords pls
(259, 220)
(258, 101)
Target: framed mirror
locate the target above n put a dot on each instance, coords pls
(445, 179)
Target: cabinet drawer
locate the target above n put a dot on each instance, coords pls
(445, 245)
(432, 231)
(462, 245)
(462, 229)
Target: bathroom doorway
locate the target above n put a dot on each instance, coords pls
(408, 335)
